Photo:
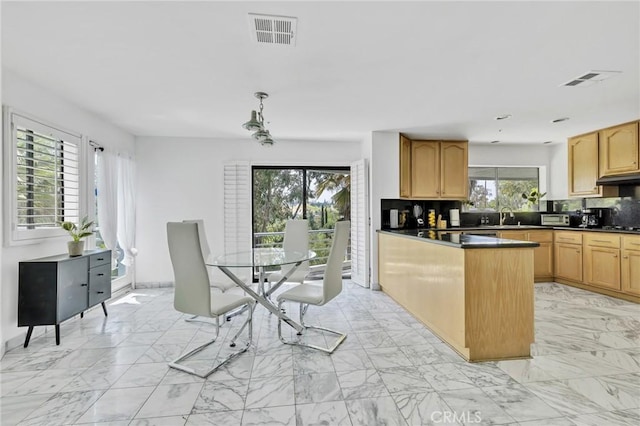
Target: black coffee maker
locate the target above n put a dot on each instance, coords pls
(595, 217)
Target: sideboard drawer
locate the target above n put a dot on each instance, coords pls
(99, 284)
(103, 258)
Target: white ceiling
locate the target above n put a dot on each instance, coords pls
(431, 69)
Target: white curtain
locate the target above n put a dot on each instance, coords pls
(127, 212)
(107, 177)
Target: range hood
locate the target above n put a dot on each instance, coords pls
(619, 180)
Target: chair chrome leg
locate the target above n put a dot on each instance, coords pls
(303, 310)
(249, 321)
(196, 318)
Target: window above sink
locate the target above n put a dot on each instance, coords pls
(494, 188)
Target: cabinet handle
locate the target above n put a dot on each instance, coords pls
(625, 257)
(577, 251)
(615, 255)
(101, 275)
(100, 292)
(636, 244)
(601, 241)
(84, 285)
(101, 258)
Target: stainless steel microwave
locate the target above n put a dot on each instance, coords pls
(555, 219)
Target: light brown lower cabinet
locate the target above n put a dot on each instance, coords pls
(542, 256)
(603, 262)
(543, 261)
(602, 267)
(630, 265)
(568, 255)
(568, 261)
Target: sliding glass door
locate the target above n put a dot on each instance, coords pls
(319, 194)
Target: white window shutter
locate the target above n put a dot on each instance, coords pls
(237, 207)
(359, 224)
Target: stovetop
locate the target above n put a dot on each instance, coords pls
(622, 228)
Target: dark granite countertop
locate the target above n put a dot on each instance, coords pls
(497, 228)
(463, 241)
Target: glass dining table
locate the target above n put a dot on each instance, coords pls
(262, 259)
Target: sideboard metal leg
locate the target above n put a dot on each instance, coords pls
(26, 341)
(104, 308)
(57, 334)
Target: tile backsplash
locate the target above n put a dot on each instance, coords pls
(616, 211)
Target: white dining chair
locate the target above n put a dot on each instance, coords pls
(296, 238)
(311, 294)
(217, 278)
(192, 294)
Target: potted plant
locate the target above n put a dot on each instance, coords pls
(533, 197)
(77, 232)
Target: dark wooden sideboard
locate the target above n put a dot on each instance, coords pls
(55, 288)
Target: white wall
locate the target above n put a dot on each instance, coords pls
(182, 178)
(384, 183)
(559, 172)
(537, 155)
(41, 103)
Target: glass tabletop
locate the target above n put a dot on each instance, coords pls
(258, 257)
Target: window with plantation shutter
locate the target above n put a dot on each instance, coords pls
(44, 178)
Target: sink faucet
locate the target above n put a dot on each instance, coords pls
(503, 214)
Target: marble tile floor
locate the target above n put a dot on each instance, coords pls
(391, 370)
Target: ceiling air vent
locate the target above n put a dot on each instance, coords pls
(273, 30)
(590, 78)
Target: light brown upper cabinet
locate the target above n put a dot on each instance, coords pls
(405, 167)
(619, 150)
(437, 169)
(584, 168)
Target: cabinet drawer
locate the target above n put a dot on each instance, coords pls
(598, 239)
(630, 242)
(99, 259)
(541, 236)
(99, 284)
(568, 237)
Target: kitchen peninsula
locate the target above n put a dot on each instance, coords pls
(474, 292)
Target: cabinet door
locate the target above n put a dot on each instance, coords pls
(454, 181)
(583, 166)
(619, 149)
(425, 169)
(631, 272)
(543, 261)
(568, 261)
(602, 267)
(405, 167)
(73, 282)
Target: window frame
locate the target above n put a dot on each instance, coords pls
(542, 185)
(15, 236)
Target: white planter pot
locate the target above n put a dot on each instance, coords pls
(76, 248)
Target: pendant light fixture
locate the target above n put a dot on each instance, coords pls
(256, 123)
